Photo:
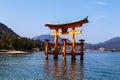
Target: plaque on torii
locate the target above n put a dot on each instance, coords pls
(64, 30)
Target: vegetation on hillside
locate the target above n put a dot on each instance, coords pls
(11, 41)
(18, 43)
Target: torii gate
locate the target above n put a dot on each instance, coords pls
(64, 28)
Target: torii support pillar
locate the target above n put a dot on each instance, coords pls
(56, 45)
(46, 48)
(81, 49)
(64, 49)
(73, 46)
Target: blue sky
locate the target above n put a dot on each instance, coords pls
(28, 17)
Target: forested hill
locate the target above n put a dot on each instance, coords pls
(9, 40)
(6, 32)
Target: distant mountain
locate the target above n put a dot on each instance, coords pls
(47, 36)
(6, 32)
(113, 43)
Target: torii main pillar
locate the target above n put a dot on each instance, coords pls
(56, 44)
(73, 47)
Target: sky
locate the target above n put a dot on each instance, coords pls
(28, 17)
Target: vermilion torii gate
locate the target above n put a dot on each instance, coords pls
(73, 44)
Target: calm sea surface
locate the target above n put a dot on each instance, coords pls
(96, 66)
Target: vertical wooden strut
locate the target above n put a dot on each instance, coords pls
(81, 49)
(56, 44)
(73, 47)
(64, 48)
(46, 48)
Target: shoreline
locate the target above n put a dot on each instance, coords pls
(14, 52)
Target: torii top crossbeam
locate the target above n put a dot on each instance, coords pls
(68, 25)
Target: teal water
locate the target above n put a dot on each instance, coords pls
(96, 66)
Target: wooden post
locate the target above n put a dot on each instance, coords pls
(64, 48)
(73, 47)
(56, 45)
(81, 49)
(46, 48)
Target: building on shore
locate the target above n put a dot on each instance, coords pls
(101, 49)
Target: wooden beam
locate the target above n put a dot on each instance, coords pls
(61, 33)
(68, 25)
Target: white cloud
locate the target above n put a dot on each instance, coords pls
(100, 3)
(98, 18)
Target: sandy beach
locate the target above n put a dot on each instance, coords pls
(14, 52)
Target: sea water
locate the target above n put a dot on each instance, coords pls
(33, 66)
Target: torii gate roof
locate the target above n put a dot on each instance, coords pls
(68, 25)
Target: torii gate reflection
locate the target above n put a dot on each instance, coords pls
(54, 70)
(73, 44)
